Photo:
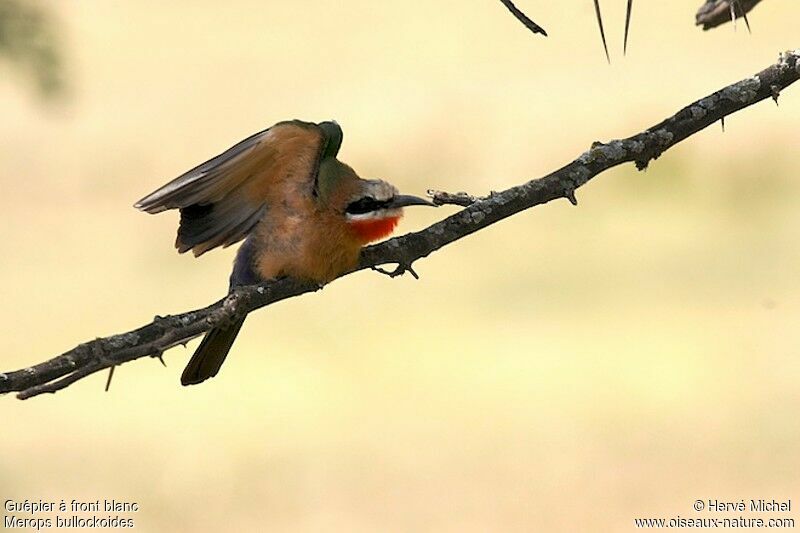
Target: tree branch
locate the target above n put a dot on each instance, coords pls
(716, 12)
(163, 333)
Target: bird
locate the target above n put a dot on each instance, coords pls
(301, 212)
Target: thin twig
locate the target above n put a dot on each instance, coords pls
(523, 18)
(110, 377)
(448, 198)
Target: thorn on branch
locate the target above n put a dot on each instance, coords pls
(776, 92)
(722, 122)
(746, 21)
(742, 12)
(627, 27)
(569, 194)
(110, 375)
(602, 30)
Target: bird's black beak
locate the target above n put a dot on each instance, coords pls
(402, 200)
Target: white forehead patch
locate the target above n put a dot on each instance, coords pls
(380, 190)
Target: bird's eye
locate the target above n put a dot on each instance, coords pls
(364, 205)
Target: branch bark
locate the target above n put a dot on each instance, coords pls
(716, 12)
(163, 333)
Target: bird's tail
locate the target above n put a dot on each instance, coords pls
(209, 356)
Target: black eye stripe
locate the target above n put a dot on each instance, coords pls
(365, 205)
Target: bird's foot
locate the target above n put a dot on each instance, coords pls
(401, 269)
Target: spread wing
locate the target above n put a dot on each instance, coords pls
(221, 200)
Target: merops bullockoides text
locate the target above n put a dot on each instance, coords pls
(302, 212)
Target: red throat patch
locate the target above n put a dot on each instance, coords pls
(373, 229)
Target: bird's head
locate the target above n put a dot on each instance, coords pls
(370, 208)
(374, 211)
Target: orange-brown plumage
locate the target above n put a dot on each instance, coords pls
(304, 214)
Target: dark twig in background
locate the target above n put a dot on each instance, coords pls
(523, 18)
(710, 15)
(716, 12)
(153, 339)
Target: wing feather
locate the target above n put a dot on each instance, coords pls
(222, 199)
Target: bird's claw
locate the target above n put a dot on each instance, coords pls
(398, 271)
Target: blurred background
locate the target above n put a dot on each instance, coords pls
(569, 369)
